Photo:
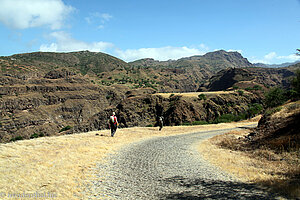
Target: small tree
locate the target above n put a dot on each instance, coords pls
(240, 92)
(201, 97)
(296, 83)
(275, 97)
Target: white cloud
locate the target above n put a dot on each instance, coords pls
(100, 27)
(106, 17)
(162, 53)
(96, 17)
(203, 47)
(20, 14)
(270, 56)
(292, 57)
(65, 43)
(255, 60)
(88, 20)
(273, 58)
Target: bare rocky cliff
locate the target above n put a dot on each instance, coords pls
(63, 102)
(278, 129)
(248, 77)
(44, 106)
(43, 94)
(144, 110)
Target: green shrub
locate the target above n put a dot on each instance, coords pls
(83, 70)
(108, 96)
(254, 109)
(257, 87)
(270, 111)
(240, 117)
(35, 135)
(186, 124)
(229, 104)
(199, 122)
(225, 118)
(65, 128)
(149, 125)
(296, 83)
(292, 94)
(202, 97)
(275, 97)
(16, 138)
(240, 92)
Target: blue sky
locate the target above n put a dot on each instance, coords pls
(265, 31)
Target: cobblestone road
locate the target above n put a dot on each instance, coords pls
(167, 168)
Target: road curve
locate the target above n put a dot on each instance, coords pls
(167, 168)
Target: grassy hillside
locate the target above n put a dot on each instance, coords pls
(268, 155)
(83, 62)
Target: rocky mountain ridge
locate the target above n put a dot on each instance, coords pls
(57, 93)
(183, 75)
(248, 78)
(287, 64)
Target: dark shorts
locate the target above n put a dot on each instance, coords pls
(113, 129)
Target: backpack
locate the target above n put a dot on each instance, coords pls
(113, 119)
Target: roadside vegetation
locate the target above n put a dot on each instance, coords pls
(269, 154)
(277, 96)
(252, 111)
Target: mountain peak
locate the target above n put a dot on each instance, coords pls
(223, 52)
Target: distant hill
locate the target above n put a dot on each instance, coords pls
(182, 75)
(214, 60)
(249, 78)
(275, 65)
(83, 62)
(187, 74)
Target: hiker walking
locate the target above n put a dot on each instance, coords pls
(160, 122)
(113, 124)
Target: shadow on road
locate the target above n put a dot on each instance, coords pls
(215, 189)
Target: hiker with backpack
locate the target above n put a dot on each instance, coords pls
(113, 124)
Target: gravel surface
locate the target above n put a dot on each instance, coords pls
(167, 168)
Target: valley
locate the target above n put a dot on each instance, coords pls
(44, 94)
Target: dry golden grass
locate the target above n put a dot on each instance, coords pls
(262, 166)
(194, 94)
(61, 165)
(287, 110)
